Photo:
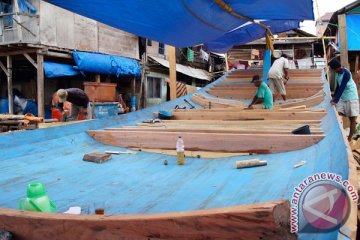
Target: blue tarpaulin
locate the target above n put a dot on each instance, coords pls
(106, 64)
(53, 70)
(25, 6)
(183, 23)
(353, 32)
(249, 33)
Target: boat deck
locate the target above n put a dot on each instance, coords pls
(141, 183)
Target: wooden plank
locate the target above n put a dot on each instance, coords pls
(194, 154)
(310, 102)
(47, 24)
(231, 128)
(249, 94)
(251, 86)
(86, 34)
(231, 109)
(223, 142)
(64, 27)
(271, 219)
(205, 130)
(117, 42)
(247, 115)
(40, 85)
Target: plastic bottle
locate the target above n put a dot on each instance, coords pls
(180, 148)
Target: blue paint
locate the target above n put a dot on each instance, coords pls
(140, 183)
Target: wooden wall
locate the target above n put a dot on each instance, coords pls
(64, 29)
(153, 50)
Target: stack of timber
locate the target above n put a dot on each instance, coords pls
(18, 122)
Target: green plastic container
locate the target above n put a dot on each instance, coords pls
(36, 199)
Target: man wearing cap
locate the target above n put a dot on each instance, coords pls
(79, 103)
(263, 98)
(346, 98)
(278, 76)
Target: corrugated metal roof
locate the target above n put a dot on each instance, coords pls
(189, 71)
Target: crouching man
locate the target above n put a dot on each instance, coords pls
(263, 98)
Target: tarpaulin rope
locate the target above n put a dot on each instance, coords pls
(269, 36)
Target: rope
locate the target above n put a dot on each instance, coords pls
(269, 36)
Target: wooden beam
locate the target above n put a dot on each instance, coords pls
(10, 84)
(344, 57)
(172, 71)
(58, 54)
(213, 142)
(239, 94)
(248, 115)
(29, 58)
(40, 85)
(17, 52)
(4, 69)
(209, 129)
(271, 219)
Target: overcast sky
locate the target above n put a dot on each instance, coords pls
(324, 7)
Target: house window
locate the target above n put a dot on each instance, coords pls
(149, 42)
(7, 7)
(161, 48)
(153, 87)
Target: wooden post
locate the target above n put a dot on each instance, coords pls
(9, 82)
(133, 86)
(40, 84)
(97, 78)
(226, 63)
(343, 41)
(313, 55)
(142, 98)
(172, 71)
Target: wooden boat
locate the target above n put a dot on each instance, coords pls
(208, 198)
